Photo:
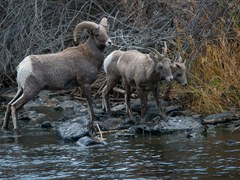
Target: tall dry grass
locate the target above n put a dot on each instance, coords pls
(214, 79)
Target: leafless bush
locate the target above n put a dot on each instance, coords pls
(37, 27)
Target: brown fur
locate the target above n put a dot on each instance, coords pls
(78, 64)
(138, 69)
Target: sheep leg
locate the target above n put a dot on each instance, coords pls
(143, 99)
(155, 92)
(8, 111)
(111, 83)
(127, 101)
(86, 88)
(21, 101)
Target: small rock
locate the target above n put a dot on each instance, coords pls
(124, 135)
(140, 129)
(88, 141)
(119, 107)
(171, 109)
(58, 108)
(191, 135)
(46, 125)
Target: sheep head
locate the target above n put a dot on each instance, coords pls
(179, 71)
(99, 32)
(162, 66)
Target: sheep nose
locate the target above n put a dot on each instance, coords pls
(109, 43)
(170, 79)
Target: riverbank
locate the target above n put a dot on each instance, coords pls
(69, 117)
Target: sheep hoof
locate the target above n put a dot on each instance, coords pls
(5, 128)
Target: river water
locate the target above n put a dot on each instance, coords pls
(33, 153)
(37, 154)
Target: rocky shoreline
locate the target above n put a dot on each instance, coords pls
(69, 118)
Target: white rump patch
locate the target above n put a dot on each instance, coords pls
(107, 61)
(24, 70)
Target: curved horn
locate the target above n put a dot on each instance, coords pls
(164, 48)
(156, 52)
(84, 25)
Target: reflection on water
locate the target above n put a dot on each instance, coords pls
(36, 154)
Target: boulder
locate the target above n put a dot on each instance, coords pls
(221, 118)
(73, 129)
(171, 125)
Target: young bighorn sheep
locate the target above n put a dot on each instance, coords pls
(79, 65)
(142, 70)
(113, 75)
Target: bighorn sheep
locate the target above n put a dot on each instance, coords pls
(113, 75)
(142, 70)
(79, 65)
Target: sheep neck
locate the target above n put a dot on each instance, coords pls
(151, 71)
(95, 52)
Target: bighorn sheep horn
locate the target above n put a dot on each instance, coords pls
(104, 23)
(84, 25)
(153, 50)
(164, 49)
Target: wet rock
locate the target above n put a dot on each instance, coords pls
(112, 123)
(191, 135)
(124, 135)
(140, 129)
(173, 124)
(172, 108)
(221, 118)
(31, 115)
(174, 111)
(89, 141)
(119, 107)
(73, 129)
(69, 105)
(176, 124)
(58, 108)
(46, 125)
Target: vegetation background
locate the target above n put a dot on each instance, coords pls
(206, 33)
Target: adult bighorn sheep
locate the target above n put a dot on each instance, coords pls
(113, 75)
(135, 68)
(79, 65)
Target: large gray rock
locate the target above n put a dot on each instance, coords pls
(221, 118)
(178, 123)
(173, 124)
(73, 129)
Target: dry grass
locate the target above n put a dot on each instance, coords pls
(214, 79)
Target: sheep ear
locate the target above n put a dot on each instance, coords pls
(178, 66)
(94, 32)
(159, 67)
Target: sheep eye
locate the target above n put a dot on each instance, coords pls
(178, 75)
(96, 35)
